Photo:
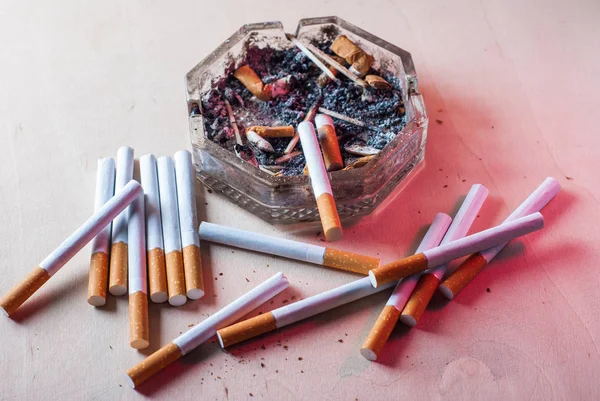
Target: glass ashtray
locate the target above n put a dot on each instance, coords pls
(289, 199)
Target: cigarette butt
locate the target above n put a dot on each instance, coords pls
(330, 147)
(117, 285)
(346, 49)
(377, 82)
(349, 261)
(139, 332)
(153, 364)
(398, 269)
(175, 278)
(260, 142)
(380, 333)
(463, 275)
(419, 300)
(22, 291)
(246, 329)
(252, 82)
(332, 227)
(98, 279)
(285, 131)
(157, 275)
(194, 281)
(362, 65)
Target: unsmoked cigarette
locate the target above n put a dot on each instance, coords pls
(139, 332)
(428, 283)
(157, 274)
(467, 271)
(98, 277)
(171, 231)
(65, 251)
(188, 222)
(117, 282)
(388, 317)
(330, 220)
(456, 249)
(319, 255)
(284, 131)
(201, 332)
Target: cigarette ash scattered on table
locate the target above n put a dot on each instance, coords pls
(380, 110)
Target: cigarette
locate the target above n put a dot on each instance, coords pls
(388, 318)
(342, 117)
(323, 79)
(200, 333)
(297, 311)
(236, 130)
(286, 131)
(359, 162)
(139, 332)
(332, 227)
(329, 143)
(154, 233)
(313, 58)
(338, 66)
(252, 82)
(428, 283)
(348, 50)
(98, 279)
(310, 114)
(188, 221)
(117, 281)
(467, 271)
(377, 82)
(65, 251)
(171, 231)
(456, 249)
(286, 248)
(288, 157)
(260, 142)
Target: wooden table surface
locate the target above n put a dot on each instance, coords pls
(512, 92)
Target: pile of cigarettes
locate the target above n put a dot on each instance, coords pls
(159, 217)
(299, 95)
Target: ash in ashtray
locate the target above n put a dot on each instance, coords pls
(274, 90)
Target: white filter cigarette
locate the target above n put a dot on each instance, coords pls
(139, 332)
(206, 329)
(332, 227)
(188, 222)
(171, 231)
(98, 278)
(65, 251)
(157, 274)
(117, 282)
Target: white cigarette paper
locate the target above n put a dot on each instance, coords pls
(105, 189)
(231, 313)
(168, 204)
(136, 232)
(312, 152)
(123, 175)
(262, 243)
(149, 178)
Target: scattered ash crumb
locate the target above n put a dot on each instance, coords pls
(488, 290)
(383, 111)
(340, 341)
(440, 122)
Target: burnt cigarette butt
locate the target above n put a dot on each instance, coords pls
(175, 278)
(398, 269)
(361, 66)
(247, 329)
(349, 261)
(415, 307)
(194, 281)
(330, 220)
(157, 275)
(118, 269)
(463, 275)
(380, 332)
(377, 82)
(139, 332)
(360, 61)
(332, 155)
(98, 279)
(252, 82)
(284, 131)
(324, 79)
(22, 291)
(260, 142)
(153, 364)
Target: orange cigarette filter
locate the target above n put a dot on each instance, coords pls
(349, 261)
(98, 279)
(418, 301)
(247, 329)
(463, 275)
(192, 262)
(157, 275)
(139, 332)
(252, 82)
(153, 364)
(330, 147)
(330, 220)
(380, 332)
(400, 268)
(118, 269)
(175, 278)
(285, 131)
(22, 291)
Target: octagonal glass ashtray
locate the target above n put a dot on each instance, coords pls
(286, 197)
